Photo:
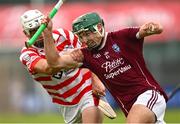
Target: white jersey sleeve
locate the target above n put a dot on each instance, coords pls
(29, 57)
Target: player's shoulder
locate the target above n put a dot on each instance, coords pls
(25, 54)
(60, 35)
(62, 32)
(31, 49)
(125, 29)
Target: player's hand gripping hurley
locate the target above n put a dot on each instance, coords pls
(43, 26)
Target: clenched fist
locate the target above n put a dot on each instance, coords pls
(149, 29)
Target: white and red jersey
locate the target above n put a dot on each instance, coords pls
(65, 87)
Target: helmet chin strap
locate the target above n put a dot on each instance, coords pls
(102, 34)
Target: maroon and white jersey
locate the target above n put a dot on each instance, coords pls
(121, 66)
(65, 87)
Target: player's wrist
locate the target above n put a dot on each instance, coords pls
(48, 35)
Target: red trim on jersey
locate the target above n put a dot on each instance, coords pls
(74, 89)
(76, 99)
(43, 56)
(75, 41)
(48, 78)
(61, 46)
(29, 49)
(63, 84)
(24, 62)
(31, 69)
(85, 90)
(58, 33)
(32, 54)
(67, 34)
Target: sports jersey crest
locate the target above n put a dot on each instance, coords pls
(116, 48)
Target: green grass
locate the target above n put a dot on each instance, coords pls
(172, 116)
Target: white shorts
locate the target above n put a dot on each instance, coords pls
(155, 102)
(73, 114)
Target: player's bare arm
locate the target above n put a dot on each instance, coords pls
(77, 55)
(54, 60)
(42, 67)
(97, 86)
(68, 60)
(148, 29)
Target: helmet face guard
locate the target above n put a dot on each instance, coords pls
(31, 20)
(86, 22)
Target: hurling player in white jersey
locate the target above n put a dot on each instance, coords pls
(72, 89)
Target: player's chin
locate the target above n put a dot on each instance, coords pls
(39, 43)
(92, 46)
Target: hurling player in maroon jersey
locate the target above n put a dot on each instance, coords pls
(117, 59)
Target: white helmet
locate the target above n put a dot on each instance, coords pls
(31, 19)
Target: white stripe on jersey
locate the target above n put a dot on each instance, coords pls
(71, 36)
(62, 38)
(66, 88)
(61, 31)
(25, 53)
(70, 98)
(73, 84)
(55, 80)
(55, 36)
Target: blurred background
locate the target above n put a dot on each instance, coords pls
(23, 100)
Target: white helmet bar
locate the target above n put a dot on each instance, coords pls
(31, 19)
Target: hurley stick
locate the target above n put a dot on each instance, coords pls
(43, 26)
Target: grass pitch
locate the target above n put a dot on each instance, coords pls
(172, 116)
